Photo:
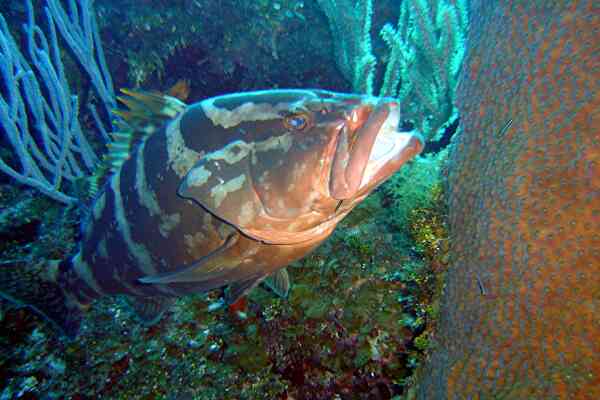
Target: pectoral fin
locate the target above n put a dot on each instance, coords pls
(279, 282)
(198, 271)
(150, 309)
(241, 288)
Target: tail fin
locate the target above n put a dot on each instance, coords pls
(37, 286)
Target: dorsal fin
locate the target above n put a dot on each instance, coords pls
(145, 112)
(146, 107)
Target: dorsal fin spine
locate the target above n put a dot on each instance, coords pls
(144, 113)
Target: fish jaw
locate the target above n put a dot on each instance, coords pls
(378, 149)
(391, 150)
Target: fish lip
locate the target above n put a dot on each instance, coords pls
(339, 129)
(360, 126)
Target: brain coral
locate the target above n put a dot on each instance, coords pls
(520, 315)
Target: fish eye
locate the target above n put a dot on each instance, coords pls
(297, 122)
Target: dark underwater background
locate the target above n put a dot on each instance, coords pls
(364, 308)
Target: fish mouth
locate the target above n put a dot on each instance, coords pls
(370, 148)
(391, 149)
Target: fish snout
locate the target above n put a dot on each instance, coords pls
(360, 112)
(365, 123)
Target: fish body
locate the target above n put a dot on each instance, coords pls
(229, 191)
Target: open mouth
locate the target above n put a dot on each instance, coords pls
(390, 150)
(370, 149)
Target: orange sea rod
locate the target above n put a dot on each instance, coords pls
(520, 316)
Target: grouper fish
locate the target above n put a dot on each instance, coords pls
(225, 193)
